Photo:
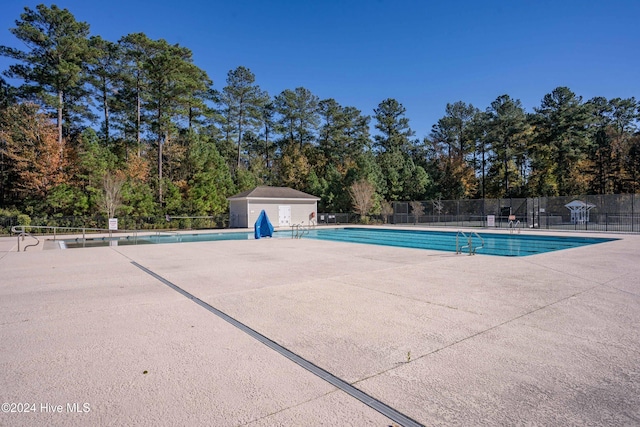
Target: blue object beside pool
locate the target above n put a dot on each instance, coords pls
(262, 227)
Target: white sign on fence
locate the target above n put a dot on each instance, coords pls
(113, 223)
(491, 220)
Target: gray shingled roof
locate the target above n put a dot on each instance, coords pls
(265, 192)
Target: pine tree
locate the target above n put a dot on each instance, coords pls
(299, 119)
(508, 132)
(242, 101)
(561, 143)
(104, 75)
(53, 65)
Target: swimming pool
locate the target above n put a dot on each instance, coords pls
(491, 243)
(155, 239)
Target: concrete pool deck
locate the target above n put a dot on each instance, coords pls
(550, 339)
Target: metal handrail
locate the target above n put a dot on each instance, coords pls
(458, 248)
(21, 231)
(304, 230)
(469, 245)
(175, 234)
(23, 235)
(481, 242)
(168, 232)
(300, 230)
(23, 228)
(514, 226)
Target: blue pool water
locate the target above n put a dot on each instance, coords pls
(492, 244)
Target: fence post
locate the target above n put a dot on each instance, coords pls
(393, 205)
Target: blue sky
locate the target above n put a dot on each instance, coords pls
(425, 53)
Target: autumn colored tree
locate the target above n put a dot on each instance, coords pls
(362, 196)
(294, 168)
(112, 184)
(33, 155)
(386, 210)
(417, 210)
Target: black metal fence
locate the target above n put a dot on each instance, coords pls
(333, 218)
(614, 212)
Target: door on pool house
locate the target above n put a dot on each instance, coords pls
(284, 215)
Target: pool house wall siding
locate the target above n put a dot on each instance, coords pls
(238, 217)
(300, 211)
(284, 207)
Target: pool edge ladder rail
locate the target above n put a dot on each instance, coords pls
(299, 230)
(469, 239)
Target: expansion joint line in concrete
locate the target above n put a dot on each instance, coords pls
(483, 331)
(363, 397)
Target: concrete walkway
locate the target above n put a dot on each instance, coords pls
(551, 339)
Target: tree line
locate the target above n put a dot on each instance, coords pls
(135, 126)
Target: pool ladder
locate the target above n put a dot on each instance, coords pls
(299, 230)
(461, 236)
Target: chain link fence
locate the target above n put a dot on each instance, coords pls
(613, 212)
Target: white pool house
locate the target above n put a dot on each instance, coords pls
(284, 207)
